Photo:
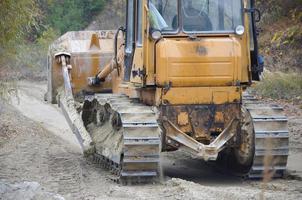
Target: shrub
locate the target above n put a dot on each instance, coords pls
(71, 15)
(31, 57)
(16, 17)
(8, 89)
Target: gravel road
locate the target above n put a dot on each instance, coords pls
(40, 159)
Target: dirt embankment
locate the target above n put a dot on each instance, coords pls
(280, 37)
(42, 162)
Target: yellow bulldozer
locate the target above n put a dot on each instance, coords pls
(173, 78)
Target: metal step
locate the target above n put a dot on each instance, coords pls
(138, 118)
(139, 174)
(272, 134)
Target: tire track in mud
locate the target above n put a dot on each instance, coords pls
(36, 155)
(67, 173)
(50, 165)
(30, 102)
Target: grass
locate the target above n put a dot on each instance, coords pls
(8, 89)
(279, 85)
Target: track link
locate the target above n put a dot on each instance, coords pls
(136, 158)
(271, 138)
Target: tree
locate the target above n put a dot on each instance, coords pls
(16, 17)
(71, 15)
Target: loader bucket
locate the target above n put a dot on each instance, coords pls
(89, 52)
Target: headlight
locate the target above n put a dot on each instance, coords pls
(156, 35)
(240, 30)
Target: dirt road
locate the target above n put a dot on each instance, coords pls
(40, 159)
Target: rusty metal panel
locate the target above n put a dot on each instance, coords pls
(88, 65)
(90, 51)
(205, 122)
(198, 95)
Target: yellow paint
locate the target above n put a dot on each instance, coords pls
(85, 65)
(199, 95)
(183, 119)
(219, 117)
(202, 71)
(138, 65)
(205, 62)
(149, 47)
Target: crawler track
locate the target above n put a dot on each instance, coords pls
(126, 136)
(271, 138)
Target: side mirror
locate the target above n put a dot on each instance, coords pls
(255, 12)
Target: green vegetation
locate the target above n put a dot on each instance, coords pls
(280, 86)
(7, 90)
(70, 15)
(280, 44)
(17, 19)
(281, 35)
(27, 27)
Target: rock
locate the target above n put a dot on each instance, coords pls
(25, 191)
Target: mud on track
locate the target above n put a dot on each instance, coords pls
(37, 146)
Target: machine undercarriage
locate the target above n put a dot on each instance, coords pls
(128, 136)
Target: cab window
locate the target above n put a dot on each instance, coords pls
(196, 15)
(211, 15)
(164, 15)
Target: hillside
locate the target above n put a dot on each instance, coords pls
(111, 17)
(281, 34)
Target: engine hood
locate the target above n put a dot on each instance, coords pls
(211, 61)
